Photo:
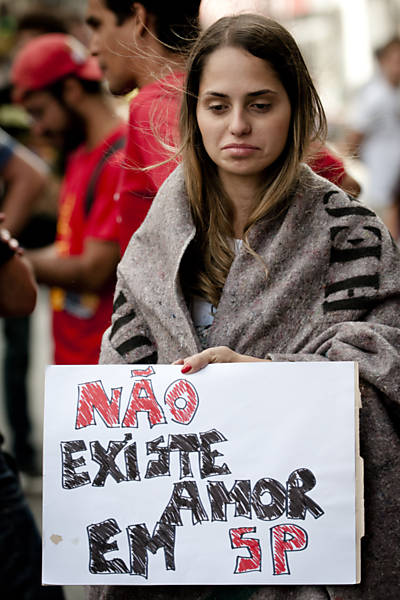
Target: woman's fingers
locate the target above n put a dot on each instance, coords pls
(219, 354)
(178, 362)
(195, 363)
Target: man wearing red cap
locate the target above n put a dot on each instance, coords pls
(60, 86)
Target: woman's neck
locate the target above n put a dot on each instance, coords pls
(243, 194)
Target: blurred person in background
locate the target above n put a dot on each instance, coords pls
(374, 132)
(40, 20)
(30, 215)
(140, 45)
(36, 22)
(20, 545)
(23, 177)
(60, 86)
(322, 159)
(29, 22)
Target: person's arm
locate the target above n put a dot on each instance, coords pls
(86, 272)
(17, 288)
(17, 285)
(24, 176)
(373, 341)
(374, 346)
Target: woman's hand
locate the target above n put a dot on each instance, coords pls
(219, 354)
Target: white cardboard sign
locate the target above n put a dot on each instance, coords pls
(239, 474)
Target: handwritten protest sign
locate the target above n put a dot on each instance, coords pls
(238, 474)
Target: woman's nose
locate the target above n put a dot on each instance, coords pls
(240, 124)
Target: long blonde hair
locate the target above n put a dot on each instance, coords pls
(212, 254)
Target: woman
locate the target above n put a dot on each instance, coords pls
(246, 255)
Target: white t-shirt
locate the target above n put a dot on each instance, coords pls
(202, 311)
(376, 114)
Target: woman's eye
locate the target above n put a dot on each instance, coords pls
(217, 107)
(261, 106)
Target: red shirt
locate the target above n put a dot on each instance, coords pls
(153, 121)
(328, 165)
(79, 319)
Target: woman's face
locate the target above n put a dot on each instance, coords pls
(243, 114)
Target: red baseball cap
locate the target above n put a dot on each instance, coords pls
(49, 57)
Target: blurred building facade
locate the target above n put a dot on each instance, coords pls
(338, 39)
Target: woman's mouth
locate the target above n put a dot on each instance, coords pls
(240, 149)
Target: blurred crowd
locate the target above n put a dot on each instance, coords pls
(86, 108)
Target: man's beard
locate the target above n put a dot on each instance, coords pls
(67, 140)
(74, 134)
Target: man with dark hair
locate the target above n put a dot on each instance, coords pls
(37, 22)
(60, 86)
(141, 45)
(40, 20)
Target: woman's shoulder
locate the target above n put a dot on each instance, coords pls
(171, 201)
(354, 230)
(326, 198)
(322, 212)
(167, 226)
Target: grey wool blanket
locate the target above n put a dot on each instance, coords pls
(332, 293)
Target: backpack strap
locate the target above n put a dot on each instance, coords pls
(118, 143)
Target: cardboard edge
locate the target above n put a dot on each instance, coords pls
(359, 464)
